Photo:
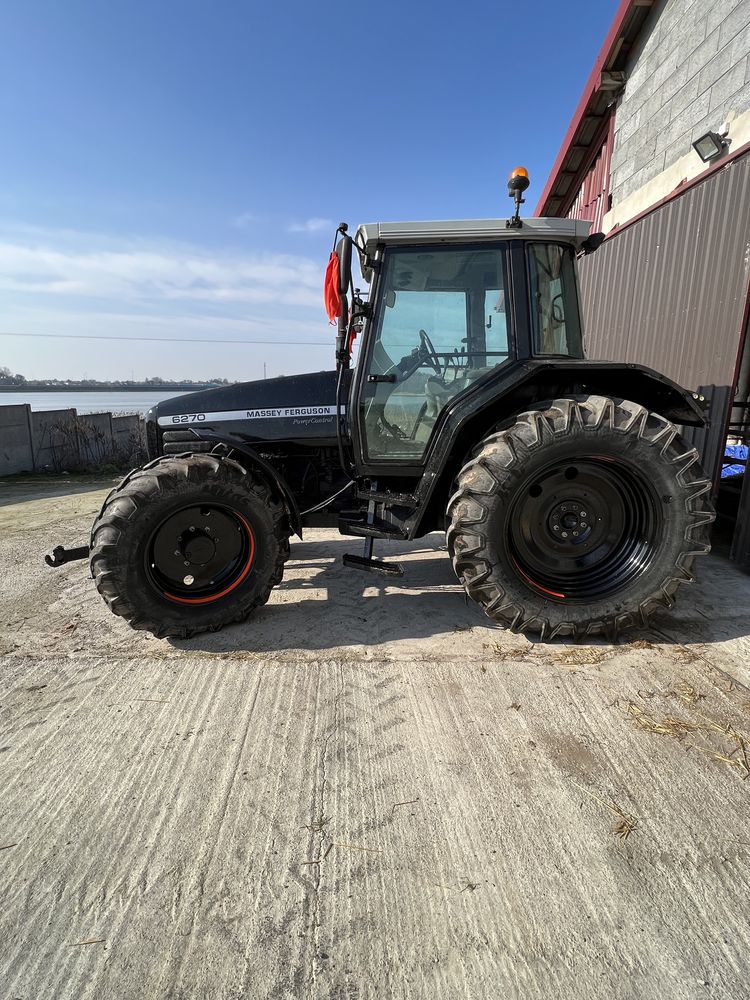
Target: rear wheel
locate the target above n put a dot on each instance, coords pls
(188, 544)
(579, 519)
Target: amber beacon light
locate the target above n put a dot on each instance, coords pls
(517, 184)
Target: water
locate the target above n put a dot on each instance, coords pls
(90, 402)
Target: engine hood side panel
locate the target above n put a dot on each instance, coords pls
(291, 408)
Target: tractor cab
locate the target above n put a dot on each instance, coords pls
(451, 307)
(452, 304)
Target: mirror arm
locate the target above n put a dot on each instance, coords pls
(344, 251)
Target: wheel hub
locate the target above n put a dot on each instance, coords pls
(199, 548)
(571, 522)
(200, 553)
(580, 531)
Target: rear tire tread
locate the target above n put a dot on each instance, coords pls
(480, 478)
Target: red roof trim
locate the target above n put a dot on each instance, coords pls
(592, 86)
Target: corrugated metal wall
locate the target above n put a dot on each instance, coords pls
(711, 439)
(669, 290)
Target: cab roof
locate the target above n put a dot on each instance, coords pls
(371, 234)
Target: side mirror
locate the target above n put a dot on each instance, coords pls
(592, 243)
(390, 299)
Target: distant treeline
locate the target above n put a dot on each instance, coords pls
(12, 383)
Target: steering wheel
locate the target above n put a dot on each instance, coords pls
(429, 354)
(556, 310)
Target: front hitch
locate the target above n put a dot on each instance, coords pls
(60, 555)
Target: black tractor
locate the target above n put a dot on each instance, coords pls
(570, 504)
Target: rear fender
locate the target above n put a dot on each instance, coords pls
(542, 380)
(474, 415)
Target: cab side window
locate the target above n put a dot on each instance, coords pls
(554, 301)
(496, 321)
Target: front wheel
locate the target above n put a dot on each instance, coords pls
(188, 544)
(579, 519)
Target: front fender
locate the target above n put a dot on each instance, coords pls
(236, 443)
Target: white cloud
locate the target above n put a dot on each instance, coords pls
(310, 226)
(39, 319)
(84, 265)
(63, 282)
(105, 356)
(243, 220)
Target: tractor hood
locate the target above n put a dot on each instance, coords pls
(288, 408)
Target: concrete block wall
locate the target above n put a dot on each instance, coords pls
(16, 454)
(689, 73)
(95, 439)
(55, 441)
(65, 441)
(129, 437)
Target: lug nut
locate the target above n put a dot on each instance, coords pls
(177, 552)
(565, 534)
(583, 513)
(555, 527)
(192, 528)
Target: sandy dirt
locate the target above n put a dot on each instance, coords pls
(365, 791)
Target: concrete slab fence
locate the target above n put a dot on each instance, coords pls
(66, 441)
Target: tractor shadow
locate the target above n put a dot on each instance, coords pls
(321, 604)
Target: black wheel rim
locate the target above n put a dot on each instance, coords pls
(584, 529)
(200, 554)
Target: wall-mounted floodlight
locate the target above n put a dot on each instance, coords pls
(710, 145)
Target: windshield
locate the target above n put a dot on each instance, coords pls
(441, 325)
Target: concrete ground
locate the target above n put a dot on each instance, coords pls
(367, 790)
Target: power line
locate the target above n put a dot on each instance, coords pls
(172, 340)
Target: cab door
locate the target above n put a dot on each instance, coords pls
(440, 326)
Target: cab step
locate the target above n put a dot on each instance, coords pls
(374, 528)
(389, 498)
(370, 525)
(373, 565)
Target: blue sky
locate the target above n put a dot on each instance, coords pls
(174, 169)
